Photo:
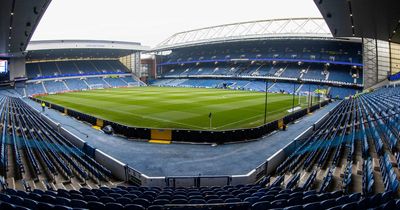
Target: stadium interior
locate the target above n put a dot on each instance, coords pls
(304, 117)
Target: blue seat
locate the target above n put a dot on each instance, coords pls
(16, 200)
(267, 198)
(123, 200)
(209, 197)
(134, 207)
(131, 196)
(95, 205)
(279, 203)
(75, 203)
(160, 201)
(10, 191)
(155, 207)
(387, 196)
(310, 198)
(295, 201)
(282, 196)
(343, 200)
(232, 200)
(44, 206)
(62, 201)
(76, 196)
(328, 203)
(297, 207)
(88, 198)
(389, 205)
(197, 197)
(363, 203)
(179, 201)
(142, 202)
(312, 206)
(62, 207)
(197, 201)
(251, 200)
(106, 199)
(115, 195)
(179, 196)
(7, 206)
(335, 208)
(261, 205)
(350, 206)
(22, 194)
(218, 200)
(4, 197)
(29, 203)
(114, 206)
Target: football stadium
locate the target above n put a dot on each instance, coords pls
(288, 113)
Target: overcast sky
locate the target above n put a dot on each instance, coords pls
(152, 21)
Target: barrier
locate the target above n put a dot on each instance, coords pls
(190, 181)
(116, 167)
(133, 176)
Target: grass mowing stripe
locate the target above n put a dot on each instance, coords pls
(187, 108)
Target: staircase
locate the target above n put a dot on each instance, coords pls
(66, 86)
(280, 71)
(44, 88)
(87, 84)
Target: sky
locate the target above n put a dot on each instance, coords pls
(152, 21)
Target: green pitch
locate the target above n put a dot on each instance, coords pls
(187, 108)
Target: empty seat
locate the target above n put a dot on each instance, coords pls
(95, 205)
(75, 203)
(114, 206)
(134, 207)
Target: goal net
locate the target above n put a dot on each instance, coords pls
(133, 84)
(96, 86)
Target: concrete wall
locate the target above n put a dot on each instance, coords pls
(17, 68)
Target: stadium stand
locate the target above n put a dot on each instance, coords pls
(242, 197)
(255, 85)
(55, 86)
(34, 156)
(323, 62)
(61, 76)
(76, 84)
(74, 68)
(358, 141)
(34, 88)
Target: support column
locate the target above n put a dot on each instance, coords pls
(376, 60)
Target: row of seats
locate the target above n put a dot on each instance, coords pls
(62, 85)
(313, 72)
(80, 67)
(258, 51)
(359, 133)
(256, 85)
(48, 155)
(251, 197)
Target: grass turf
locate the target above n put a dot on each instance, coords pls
(185, 108)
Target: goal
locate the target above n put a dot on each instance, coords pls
(133, 84)
(96, 86)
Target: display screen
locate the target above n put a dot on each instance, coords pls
(3, 66)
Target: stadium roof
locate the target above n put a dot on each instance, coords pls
(18, 21)
(71, 49)
(377, 19)
(253, 30)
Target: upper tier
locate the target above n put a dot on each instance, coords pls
(74, 68)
